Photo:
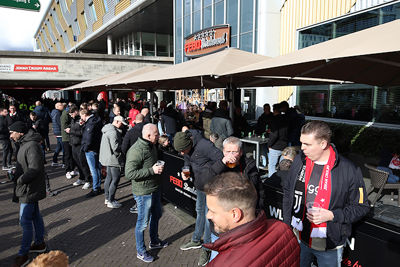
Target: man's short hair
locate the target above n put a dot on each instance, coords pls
(266, 105)
(55, 258)
(233, 190)
(320, 129)
(85, 112)
(223, 104)
(32, 113)
(284, 165)
(2, 109)
(73, 109)
(232, 140)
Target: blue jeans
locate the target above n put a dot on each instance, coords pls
(59, 148)
(392, 179)
(329, 258)
(149, 209)
(29, 214)
(273, 159)
(92, 159)
(202, 224)
(213, 252)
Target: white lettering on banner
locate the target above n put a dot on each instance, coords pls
(351, 244)
(312, 189)
(6, 67)
(205, 43)
(297, 200)
(189, 189)
(326, 178)
(275, 212)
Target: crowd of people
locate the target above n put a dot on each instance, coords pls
(323, 192)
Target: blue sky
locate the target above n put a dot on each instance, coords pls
(17, 27)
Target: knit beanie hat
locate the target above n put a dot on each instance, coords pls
(182, 141)
(18, 127)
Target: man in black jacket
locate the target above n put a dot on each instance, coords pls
(199, 153)
(90, 144)
(29, 181)
(75, 137)
(5, 140)
(133, 134)
(322, 196)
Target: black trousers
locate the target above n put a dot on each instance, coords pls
(7, 152)
(68, 159)
(80, 160)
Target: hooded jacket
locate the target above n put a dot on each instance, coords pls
(110, 146)
(259, 243)
(139, 168)
(348, 201)
(29, 175)
(91, 134)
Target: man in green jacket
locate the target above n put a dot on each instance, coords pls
(29, 180)
(65, 120)
(143, 170)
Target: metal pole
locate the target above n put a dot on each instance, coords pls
(151, 105)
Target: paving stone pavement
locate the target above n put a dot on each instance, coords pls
(90, 233)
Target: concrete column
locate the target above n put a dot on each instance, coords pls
(109, 45)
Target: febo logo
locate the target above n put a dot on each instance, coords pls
(176, 181)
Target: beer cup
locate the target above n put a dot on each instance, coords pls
(312, 207)
(231, 165)
(186, 171)
(160, 163)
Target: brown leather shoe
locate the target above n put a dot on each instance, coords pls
(21, 261)
(38, 247)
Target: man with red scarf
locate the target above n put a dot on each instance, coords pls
(323, 195)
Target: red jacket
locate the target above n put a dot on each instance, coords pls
(261, 242)
(132, 115)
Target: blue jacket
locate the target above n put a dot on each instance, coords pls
(91, 134)
(55, 119)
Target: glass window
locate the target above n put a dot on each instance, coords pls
(219, 13)
(186, 26)
(178, 33)
(162, 45)
(93, 11)
(207, 3)
(246, 16)
(246, 42)
(388, 105)
(207, 17)
(196, 21)
(196, 5)
(313, 100)
(187, 8)
(148, 44)
(105, 6)
(315, 35)
(136, 43)
(178, 56)
(352, 102)
(390, 13)
(234, 41)
(178, 9)
(232, 15)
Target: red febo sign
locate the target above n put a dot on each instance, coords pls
(207, 41)
(41, 68)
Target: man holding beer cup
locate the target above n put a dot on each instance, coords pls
(199, 153)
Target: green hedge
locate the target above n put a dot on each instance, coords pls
(367, 141)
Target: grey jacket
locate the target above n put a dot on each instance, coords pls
(110, 146)
(29, 175)
(221, 124)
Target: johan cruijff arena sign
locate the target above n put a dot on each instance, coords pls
(207, 41)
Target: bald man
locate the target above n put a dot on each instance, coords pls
(143, 171)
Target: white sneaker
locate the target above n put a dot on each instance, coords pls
(114, 205)
(78, 182)
(74, 173)
(86, 186)
(106, 202)
(68, 175)
(55, 164)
